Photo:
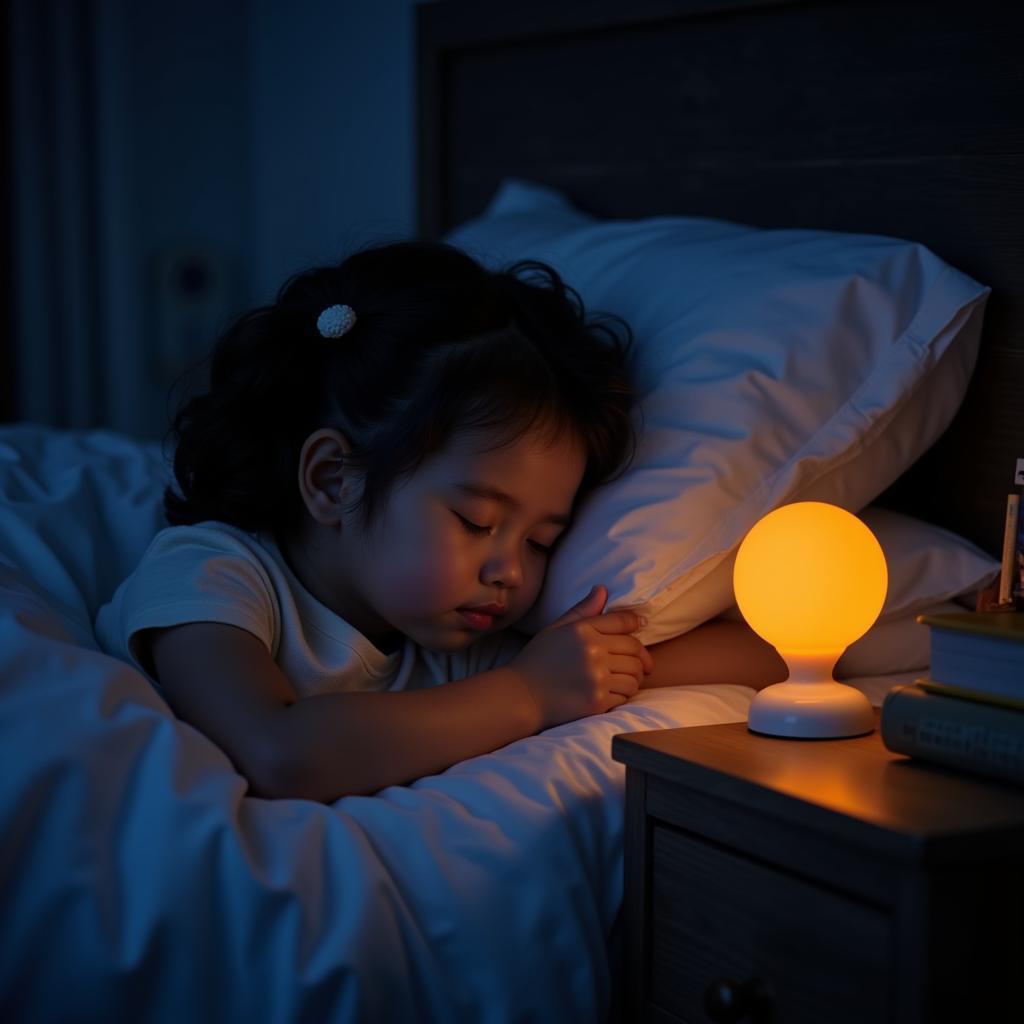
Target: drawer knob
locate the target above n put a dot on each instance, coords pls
(730, 1002)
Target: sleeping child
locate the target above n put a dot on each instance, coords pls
(368, 493)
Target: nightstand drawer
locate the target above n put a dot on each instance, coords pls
(715, 914)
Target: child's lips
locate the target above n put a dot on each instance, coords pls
(477, 619)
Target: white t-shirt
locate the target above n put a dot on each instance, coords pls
(213, 572)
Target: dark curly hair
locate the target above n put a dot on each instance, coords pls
(441, 345)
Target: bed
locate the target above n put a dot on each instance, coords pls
(141, 882)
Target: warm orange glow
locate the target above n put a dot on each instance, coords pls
(810, 577)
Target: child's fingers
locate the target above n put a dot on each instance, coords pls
(617, 699)
(628, 644)
(622, 621)
(621, 668)
(592, 604)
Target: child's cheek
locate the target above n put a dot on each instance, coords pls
(440, 579)
(449, 574)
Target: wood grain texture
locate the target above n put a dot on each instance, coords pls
(822, 867)
(635, 897)
(724, 915)
(853, 789)
(847, 858)
(903, 119)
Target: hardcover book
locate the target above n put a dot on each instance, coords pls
(978, 737)
(968, 693)
(979, 652)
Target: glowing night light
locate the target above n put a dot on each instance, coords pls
(810, 578)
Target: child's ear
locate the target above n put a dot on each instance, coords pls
(324, 478)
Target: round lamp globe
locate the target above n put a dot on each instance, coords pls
(810, 578)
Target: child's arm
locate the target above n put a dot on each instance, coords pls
(719, 651)
(222, 680)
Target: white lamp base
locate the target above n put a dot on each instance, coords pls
(810, 704)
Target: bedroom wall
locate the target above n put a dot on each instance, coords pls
(173, 163)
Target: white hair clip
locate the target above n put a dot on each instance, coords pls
(334, 321)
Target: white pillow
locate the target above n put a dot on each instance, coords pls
(892, 646)
(773, 366)
(927, 564)
(929, 568)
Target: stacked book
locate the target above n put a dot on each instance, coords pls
(970, 712)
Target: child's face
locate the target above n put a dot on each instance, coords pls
(441, 546)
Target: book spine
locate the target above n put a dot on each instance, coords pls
(1018, 575)
(960, 733)
(1009, 562)
(995, 667)
(965, 693)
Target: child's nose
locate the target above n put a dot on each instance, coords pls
(504, 569)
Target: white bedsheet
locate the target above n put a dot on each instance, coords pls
(141, 883)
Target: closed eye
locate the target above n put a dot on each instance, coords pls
(482, 531)
(473, 528)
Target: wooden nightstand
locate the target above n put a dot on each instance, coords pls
(818, 881)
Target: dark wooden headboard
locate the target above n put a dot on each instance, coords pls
(902, 119)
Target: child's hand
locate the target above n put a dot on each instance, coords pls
(585, 662)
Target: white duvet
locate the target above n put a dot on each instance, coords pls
(141, 883)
